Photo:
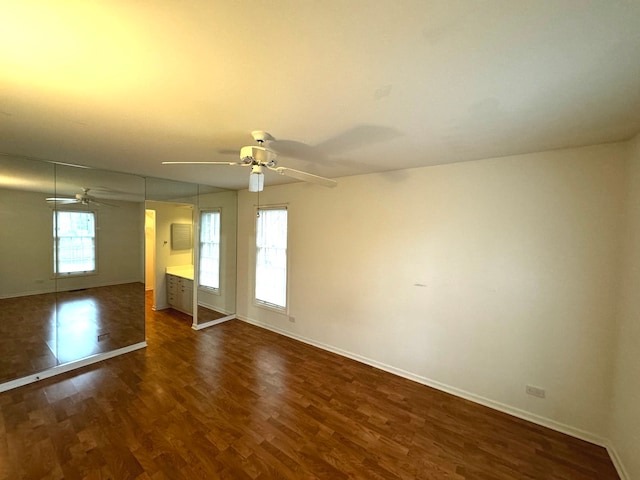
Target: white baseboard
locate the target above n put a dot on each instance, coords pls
(54, 290)
(617, 462)
(516, 412)
(217, 321)
(27, 294)
(97, 285)
(67, 367)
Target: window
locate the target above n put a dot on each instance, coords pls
(209, 276)
(74, 245)
(271, 257)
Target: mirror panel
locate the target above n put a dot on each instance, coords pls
(172, 191)
(103, 309)
(27, 287)
(217, 303)
(170, 203)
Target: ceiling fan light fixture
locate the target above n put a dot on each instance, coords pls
(256, 179)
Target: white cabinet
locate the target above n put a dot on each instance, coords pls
(180, 293)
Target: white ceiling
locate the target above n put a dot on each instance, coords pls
(347, 87)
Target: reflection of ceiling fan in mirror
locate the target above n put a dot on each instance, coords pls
(80, 198)
(259, 157)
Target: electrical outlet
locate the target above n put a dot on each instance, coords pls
(292, 319)
(103, 336)
(535, 391)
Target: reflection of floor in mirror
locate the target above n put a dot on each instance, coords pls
(26, 324)
(207, 315)
(40, 331)
(204, 314)
(164, 315)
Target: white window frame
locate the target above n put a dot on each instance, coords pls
(202, 286)
(56, 245)
(264, 303)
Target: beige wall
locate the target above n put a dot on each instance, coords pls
(625, 429)
(26, 233)
(477, 277)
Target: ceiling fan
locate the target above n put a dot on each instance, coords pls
(259, 157)
(81, 198)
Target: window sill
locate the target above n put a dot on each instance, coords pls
(271, 307)
(58, 276)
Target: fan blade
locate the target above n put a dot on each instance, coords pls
(307, 177)
(62, 200)
(242, 164)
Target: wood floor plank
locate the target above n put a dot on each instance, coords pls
(238, 402)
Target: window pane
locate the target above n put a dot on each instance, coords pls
(271, 257)
(210, 249)
(74, 242)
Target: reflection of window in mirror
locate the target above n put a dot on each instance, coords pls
(210, 250)
(74, 248)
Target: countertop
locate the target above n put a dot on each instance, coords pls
(184, 271)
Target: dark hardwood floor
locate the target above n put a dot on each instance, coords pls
(238, 402)
(41, 331)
